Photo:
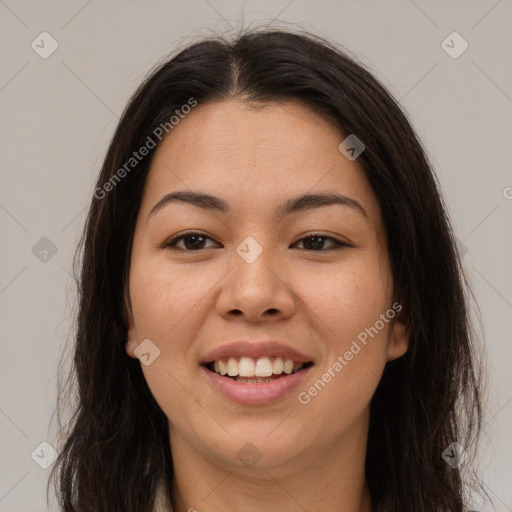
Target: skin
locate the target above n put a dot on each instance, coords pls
(316, 299)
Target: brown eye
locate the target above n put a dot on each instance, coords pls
(192, 241)
(316, 243)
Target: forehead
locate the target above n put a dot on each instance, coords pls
(251, 133)
(255, 156)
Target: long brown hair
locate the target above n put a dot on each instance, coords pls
(116, 447)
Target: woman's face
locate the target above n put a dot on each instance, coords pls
(268, 278)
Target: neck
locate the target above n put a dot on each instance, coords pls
(329, 481)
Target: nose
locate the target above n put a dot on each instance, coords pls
(257, 291)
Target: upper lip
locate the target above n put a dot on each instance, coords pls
(255, 349)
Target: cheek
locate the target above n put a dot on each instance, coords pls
(167, 299)
(347, 299)
(167, 310)
(349, 304)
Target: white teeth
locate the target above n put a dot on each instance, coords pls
(253, 380)
(263, 367)
(277, 366)
(247, 369)
(232, 367)
(288, 366)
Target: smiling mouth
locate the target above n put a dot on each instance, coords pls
(253, 370)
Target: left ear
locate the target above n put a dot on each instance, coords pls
(399, 338)
(131, 343)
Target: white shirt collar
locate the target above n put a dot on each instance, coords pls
(161, 502)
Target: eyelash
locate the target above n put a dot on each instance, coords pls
(171, 243)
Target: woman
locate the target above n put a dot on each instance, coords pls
(272, 309)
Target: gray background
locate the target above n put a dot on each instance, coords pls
(59, 113)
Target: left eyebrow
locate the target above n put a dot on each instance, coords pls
(306, 202)
(297, 204)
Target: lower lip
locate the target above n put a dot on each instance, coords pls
(258, 393)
